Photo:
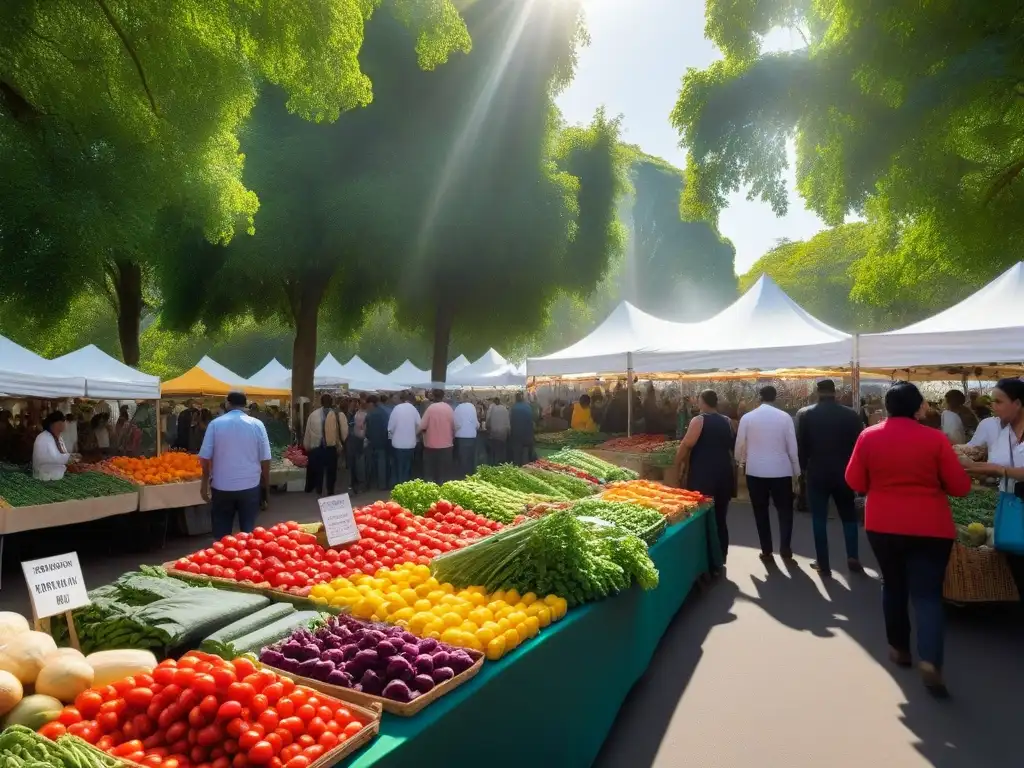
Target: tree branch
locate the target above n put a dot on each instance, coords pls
(1005, 178)
(131, 52)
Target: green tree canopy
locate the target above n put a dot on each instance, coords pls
(677, 269)
(908, 113)
(120, 119)
(457, 192)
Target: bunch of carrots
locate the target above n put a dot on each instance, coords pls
(649, 493)
(171, 467)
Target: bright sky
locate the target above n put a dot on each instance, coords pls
(638, 53)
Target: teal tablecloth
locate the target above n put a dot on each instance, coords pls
(552, 700)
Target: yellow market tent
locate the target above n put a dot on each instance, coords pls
(198, 383)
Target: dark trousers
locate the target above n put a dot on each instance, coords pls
(322, 470)
(496, 448)
(817, 497)
(224, 505)
(437, 464)
(354, 458)
(403, 464)
(913, 568)
(465, 454)
(779, 490)
(721, 502)
(522, 453)
(377, 468)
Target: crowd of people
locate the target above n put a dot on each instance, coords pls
(383, 440)
(904, 466)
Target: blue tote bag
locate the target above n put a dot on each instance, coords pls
(1009, 522)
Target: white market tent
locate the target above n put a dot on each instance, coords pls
(222, 373)
(369, 377)
(985, 328)
(272, 376)
(25, 373)
(490, 370)
(411, 376)
(107, 377)
(763, 329)
(607, 347)
(457, 365)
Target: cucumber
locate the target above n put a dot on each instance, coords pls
(254, 642)
(219, 639)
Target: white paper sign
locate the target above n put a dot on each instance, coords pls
(339, 520)
(55, 584)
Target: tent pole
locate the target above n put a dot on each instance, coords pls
(629, 394)
(159, 427)
(855, 375)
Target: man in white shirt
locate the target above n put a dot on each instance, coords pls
(403, 428)
(987, 433)
(766, 448)
(465, 436)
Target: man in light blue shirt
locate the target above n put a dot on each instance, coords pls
(235, 457)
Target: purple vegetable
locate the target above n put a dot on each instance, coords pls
(366, 642)
(441, 659)
(292, 649)
(397, 690)
(334, 654)
(371, 682)
(424, 664)
(412, 648)
(272, 657)
(367, 657)
(349, 651)
(399, 668)
(323, 669)
(339, 678)
(331, 642)
(409, 637)
(460, 661)
(441, 674)
(289, 665)
(423, 683)
(386, 649)
(427, 645)
(307, 667)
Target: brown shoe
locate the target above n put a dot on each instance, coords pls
(900, 658)
(932, 679)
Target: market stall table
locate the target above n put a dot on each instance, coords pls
(30, 518)
(552, 701)
(170, 496)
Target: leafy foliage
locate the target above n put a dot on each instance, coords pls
(119, 120)
(909, 113)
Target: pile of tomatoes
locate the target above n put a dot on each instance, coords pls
(206, 712)
(447, 518)
(289, 558)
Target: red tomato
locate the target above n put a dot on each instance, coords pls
(55, 729)
(210, 735)
(352, 728)
(293, 725)
(313, 752)
(243, 667)
(229, 710)
(268, 719)
(241, 692)
(285, 707)
(249, 739)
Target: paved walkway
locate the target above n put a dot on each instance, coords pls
(773, 669)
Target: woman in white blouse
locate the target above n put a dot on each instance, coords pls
(50, 456)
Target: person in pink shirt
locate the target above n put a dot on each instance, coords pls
(438, 428)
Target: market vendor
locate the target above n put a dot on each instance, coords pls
(50, 457)
(582, 419)
(1006, 461)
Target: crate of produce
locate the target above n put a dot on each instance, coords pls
(373, 664)
(978, 575)
(338, 729)
(675, 503)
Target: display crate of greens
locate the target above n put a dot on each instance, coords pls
(373, 664)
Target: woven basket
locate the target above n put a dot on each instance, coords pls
(978, 575)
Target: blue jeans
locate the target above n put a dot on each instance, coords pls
(913, 569)
(817, 500)
(403, 464)
(377, 468)
(224, 505)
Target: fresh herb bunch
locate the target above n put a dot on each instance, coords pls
(571, 487)
(491, 501)
(576, 558)
(978, 506)
(597, 467)
(416, 495)
(643, 522)
(515, 479)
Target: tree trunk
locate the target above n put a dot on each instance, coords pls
(127, 278)
(444, 318)
(304, 297)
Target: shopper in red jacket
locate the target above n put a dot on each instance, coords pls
(908, 471)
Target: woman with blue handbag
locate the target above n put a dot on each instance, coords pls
(1006, 461)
